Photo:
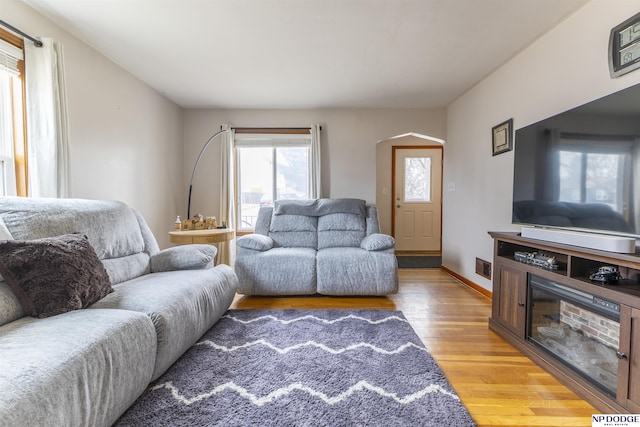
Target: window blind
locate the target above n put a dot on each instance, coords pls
(272, 140)
(10, 55)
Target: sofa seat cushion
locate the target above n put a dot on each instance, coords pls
(183, 305)
(279, 271)
(355, 271)
(81, 368)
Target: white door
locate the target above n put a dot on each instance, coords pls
(418, 199)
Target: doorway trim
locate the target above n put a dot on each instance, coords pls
(393, 181)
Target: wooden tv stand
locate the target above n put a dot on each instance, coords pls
(510, 310)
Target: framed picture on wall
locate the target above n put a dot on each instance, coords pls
(502, 137)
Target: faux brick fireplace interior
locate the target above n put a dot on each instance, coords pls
(584, 340)
(592, 325)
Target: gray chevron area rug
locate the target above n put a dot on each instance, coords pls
(303, 368)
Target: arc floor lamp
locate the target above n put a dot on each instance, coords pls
(193, 174)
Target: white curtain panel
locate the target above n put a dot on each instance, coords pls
(315, 186)
(227, 208)
(226, 250)
(47, 120)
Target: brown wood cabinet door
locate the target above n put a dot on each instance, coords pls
(629, 354)
(510, 306)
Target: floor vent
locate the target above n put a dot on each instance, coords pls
(483, 268)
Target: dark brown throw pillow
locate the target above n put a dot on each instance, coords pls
(53, 275)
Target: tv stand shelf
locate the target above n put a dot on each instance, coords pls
(510, 310)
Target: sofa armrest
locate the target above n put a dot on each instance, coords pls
(378, 242)
(188, 257)
(256, 242)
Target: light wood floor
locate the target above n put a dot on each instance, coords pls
(498, 385)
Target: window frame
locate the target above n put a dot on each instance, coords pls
(19, 114)
(267, 136)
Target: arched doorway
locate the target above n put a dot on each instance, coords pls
(409, 192)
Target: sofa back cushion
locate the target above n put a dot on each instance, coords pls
(320, 207)
(373, 224)
(294, 231)
(318, 223)
(340, 230)
(112, 228)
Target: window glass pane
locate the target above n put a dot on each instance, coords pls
(570, 176)
(292, 177)
(417, 179)
(592, 178)
(6, 115)
(3, 181)
(7, 121)
(270, 167)
(255, 183)
(602, 179)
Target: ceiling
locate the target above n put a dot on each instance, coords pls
(309, 53)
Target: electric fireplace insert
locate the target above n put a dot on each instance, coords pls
(579, 329)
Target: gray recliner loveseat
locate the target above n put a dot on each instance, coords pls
(323, 246)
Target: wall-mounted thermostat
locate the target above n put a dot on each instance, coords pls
(624, 47)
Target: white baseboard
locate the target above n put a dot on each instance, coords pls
(624, 245)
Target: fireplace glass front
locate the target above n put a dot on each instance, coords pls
(579, 329)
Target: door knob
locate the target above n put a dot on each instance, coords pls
(620, 355)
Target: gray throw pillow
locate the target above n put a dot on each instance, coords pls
(5, 234)
(377, 242)
(190, 257)
(10, 307)
(53, 275)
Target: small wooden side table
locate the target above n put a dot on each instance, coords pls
(218, 236)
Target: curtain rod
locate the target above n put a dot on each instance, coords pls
(271, 129)
(35, 41)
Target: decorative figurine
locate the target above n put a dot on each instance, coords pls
(537, 259)
(606, 275)
(198, 222)
(211, 222)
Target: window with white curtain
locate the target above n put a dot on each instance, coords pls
(270, 166)
(588, 174)
(12, 133)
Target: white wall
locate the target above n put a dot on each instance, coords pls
(348, 139)
(565, 68)
(126, 138)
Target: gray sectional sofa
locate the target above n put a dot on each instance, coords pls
(324, 246)
(87, 366)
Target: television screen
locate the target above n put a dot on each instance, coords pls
(581, 169)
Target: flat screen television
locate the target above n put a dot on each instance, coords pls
(580, 170)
